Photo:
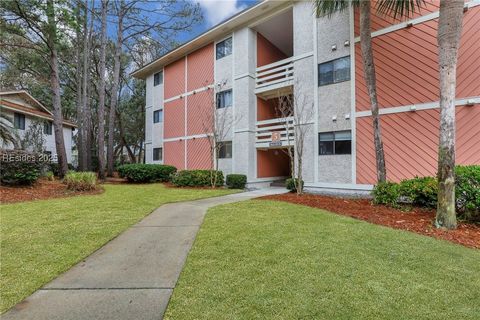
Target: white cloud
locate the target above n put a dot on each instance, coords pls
(218, 10)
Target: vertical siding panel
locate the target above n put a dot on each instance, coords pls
(174, 153)
(200, 68)
(174, 115)
(174, 78)
(199, 115)
(198, 155)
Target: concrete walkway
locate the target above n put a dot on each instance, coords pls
(132, 276)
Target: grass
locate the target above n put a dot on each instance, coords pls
(273, 260)
(42, 239)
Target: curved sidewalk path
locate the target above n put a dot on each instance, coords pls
(132, 276)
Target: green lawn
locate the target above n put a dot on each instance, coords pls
(273, 260)
(42, 239)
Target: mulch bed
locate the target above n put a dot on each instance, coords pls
(42, 189)
(416, 220)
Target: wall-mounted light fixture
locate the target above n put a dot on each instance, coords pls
(413, 108)
(347, 43)
(347, 116)
(334, 118)
(470, 102)
(334, 47)
(409, 24)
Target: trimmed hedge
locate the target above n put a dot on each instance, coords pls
(197, 178)
(236, 181)
(141, 173)
(20, 167)
(290, 184)
(467, 191)
(81, 181)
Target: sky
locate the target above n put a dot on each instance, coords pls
(215, 11)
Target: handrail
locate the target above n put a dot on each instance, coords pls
(275, 64)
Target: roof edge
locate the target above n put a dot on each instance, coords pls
(203, 38)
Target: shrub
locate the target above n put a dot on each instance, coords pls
(236, 181)
(386, 193)
(467, 191)
(19, 167)
(81, 181)
(197, 178)
(49, 176)
(141, 173)
(420, 191)
(290, 184)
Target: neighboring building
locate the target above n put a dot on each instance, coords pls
(24, 109)
(281, 47)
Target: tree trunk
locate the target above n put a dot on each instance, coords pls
(113, 100)
(83, 130)
(131, 154)
(449, 32)
(79, 96)
(370, 79)
(101, 94)
(55, 86)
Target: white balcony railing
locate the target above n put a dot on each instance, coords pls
(274, 76)
(275, 133)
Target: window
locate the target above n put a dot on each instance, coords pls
(225, 151)
(157, 154)
(224, 99)
(334, 71)
(339, 142)
(158, 116)
(158, 78)
(19, 121)
(47, 128)
(224, 48)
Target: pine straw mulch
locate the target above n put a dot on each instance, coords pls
(416, 220)
(42, 189)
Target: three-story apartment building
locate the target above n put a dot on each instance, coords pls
(279, 48)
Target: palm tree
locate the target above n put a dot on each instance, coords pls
(6, 130)
(448, 38)
(449, 33)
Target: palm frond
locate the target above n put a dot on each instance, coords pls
(329, 7)
(399, 8)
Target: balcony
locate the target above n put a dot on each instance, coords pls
(275, 133)
(274, 79)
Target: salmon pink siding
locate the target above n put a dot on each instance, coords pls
(200, 68)
(199, 113)
(174, 153)
(406, 63)
(174, 118)
(380, 21)
(198, 154)
(267, 52)
(411, 143)
(174, 79)
(185, 108)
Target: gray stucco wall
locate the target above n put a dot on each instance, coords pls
(304, 83)
(334, 100)
(244, 100)
(153, 131)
